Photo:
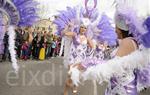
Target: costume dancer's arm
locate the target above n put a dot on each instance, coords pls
(70, 34)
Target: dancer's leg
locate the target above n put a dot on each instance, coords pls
(68, 85)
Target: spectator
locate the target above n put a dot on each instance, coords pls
(49, 41)
(25, 35)
(25, 47)
(36, 46)
(18, 42)
(30, 39)
(52, 54)
(42, 48)
(6, 51)
(58, 45)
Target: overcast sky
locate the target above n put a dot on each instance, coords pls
(50, 7)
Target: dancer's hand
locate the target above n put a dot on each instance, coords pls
(80, 67)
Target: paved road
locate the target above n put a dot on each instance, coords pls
(40, 78)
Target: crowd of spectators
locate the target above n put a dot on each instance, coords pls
(33, 44)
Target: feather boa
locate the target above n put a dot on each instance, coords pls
(117, 66)
(75, 75)
(11, 34)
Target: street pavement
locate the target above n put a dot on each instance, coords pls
(41, 78)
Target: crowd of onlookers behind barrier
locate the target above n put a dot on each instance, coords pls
(32, 44)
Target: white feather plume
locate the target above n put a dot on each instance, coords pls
(11, 42)
(75, 75)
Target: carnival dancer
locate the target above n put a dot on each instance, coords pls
(78, 47)
(80, 34)
(74, 34)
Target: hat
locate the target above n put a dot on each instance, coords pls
(121, 23)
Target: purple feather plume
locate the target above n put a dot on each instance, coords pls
(27, 11)
(2, 33)
(146, 37)
(107, 33)
(64, 18)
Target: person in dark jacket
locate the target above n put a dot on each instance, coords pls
(36, 46)
(6, 51)
(18, 42)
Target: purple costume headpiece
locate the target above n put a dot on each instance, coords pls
(107, 33)
(98, 28)
(145, 38)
